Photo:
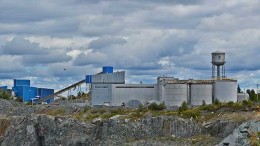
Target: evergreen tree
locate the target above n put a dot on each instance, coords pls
(238, 89)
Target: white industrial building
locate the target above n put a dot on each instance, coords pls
(109, 88)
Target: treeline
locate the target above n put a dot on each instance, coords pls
(251, 92)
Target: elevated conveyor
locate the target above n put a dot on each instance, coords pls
(60, 91)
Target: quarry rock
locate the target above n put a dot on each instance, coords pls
(241, 135)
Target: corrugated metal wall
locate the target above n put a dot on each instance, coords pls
(116, 78)
(175, 94)
(200, 92)
(25, 92)
(3, 87)
(43, 92)
(101, 94)
(21, 82)
(124, 93)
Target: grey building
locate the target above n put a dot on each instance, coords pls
(109, 88)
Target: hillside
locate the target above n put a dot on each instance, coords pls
(66, 124)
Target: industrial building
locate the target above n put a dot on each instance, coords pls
(26, 93)
(109, 88)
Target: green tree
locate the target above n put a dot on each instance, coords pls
(238, 89)
(203, 103)
(184, 106)
(155, 106)
(217, 102)
(252, 95)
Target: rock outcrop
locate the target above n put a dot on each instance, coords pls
(241, 135)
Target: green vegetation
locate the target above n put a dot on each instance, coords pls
(5, 95)
(203, 103)
(155, 106)
(200, 113)
(248, 103)
(56, 112)
(184, 106)
(253, 95)
(254, 139)
(194, 113)
(217, 102)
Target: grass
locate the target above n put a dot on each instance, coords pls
(225, 111)
(4, 124)
(254, 139)
(56, 112)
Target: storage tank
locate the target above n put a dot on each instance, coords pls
(107, 69)
(242, 96)
(225, 90)
(175, 94)
(200, 92)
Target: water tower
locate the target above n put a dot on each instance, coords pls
(218, 60)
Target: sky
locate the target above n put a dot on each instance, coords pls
(56, 43)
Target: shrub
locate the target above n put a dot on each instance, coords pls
(184, 106)
(140, 108)
(154, 106)
(247, 103)
(237, 105)
(5, 95)
(191, 113)
(209, 107)
(203, 103)
(230, 103)
(217, 102)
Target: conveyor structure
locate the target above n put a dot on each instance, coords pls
(60, 91)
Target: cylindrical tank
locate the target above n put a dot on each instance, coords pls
(242, 96)
(200, 92)
(88, 79)
(175, 94)
(225, 90)
(107, 69)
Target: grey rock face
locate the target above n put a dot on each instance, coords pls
(46, 130)
(220, 128)
(241, 134)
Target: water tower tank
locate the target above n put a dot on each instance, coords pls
(218, 58)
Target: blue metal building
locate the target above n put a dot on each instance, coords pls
(27, 93)
(43, 92)
(3, 87)
(19, 82)
(23, 90)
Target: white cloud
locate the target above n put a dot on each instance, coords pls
(145, 38)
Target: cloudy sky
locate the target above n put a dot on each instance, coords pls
(147, 38)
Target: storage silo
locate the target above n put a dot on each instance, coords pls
(175, 94)
(225, 90)
(242, 96)
(200, 92)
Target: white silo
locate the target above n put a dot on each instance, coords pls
(242, 96)
(225, 90)
(200, 92)
(175, 94)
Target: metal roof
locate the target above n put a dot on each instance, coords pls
(218, 52)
